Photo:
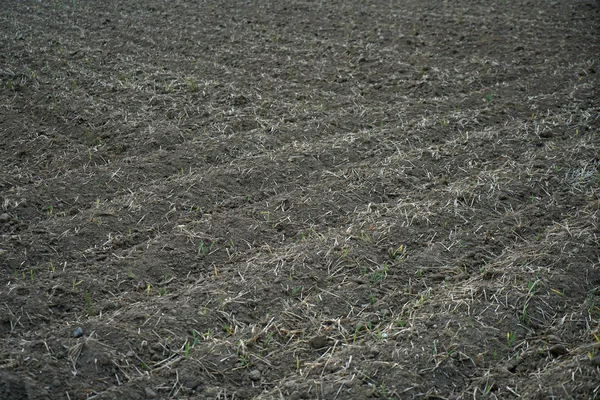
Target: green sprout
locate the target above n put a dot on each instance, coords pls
(205, 247)
(398, 253)
(510, 338)
(89, 306)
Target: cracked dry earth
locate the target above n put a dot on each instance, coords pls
(299, 199)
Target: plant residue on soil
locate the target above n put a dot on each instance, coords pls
(299, 199)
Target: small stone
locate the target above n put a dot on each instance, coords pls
(77, 333)
(191, 384)
(4, 217)
(596, 361)
(318, 342)
(150, 394)
(558, 350)
(553, 339)
(295, 396)
(254, 375)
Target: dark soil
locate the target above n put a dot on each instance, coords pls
(300, 199)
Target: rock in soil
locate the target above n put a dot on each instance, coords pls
(150, 394)
(318, 342)
(558, 350)
(254, 375)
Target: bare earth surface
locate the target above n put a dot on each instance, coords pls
(299, 199)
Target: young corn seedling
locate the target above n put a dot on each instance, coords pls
(187, 346)
(510, 338)
(398, 253)
(205, 247)
(243, 356)
(89, 306)
(356, 331)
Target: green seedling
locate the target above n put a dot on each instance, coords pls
(398, 253)
(510, 338)
(524, 317)
(297, 289)
(401, 322)
(205, 247)
(420, 301)
(31, 275)
(344, 252)
(192, 85)
(188, 346)
(89, 307)
(186, 349)
(242, 354)
(268, 339)
(244, 360)
(591, 303)
(356, 331)
(532, 286)
(379, 276)
(206, 335)
(365, 237)
(382, 391)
